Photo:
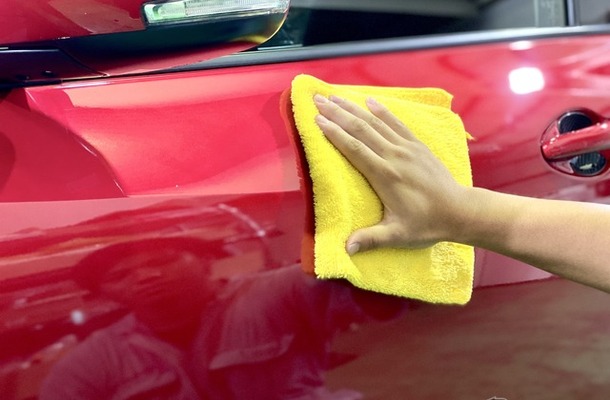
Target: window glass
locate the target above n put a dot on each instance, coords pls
(313, 22)
(591, 12)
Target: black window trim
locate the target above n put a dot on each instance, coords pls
(573, 18)
(335, 50)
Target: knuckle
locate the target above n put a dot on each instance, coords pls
(358, 126)
(369, 242)
(404, 153)
(355, 146)
(389, 174)
(376, 123)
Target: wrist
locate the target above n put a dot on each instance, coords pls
(487, 219)
(466, 215)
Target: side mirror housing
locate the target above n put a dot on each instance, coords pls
(75, 39)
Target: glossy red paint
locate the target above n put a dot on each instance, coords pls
(206, 155)
(40, 20)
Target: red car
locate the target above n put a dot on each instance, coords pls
(152, 213)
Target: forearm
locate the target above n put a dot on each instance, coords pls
(569, 239)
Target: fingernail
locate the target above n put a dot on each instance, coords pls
(353, 248)
(371, 101)
(321, 119)
(318, 98)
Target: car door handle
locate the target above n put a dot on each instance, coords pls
(577, 143)
(587, 140)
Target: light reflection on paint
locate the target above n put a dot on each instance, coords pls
(526, 80)
(77, 317)
(521, 45)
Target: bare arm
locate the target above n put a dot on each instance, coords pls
(423, 204)
(566, 238)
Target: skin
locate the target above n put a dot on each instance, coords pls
(423, 204)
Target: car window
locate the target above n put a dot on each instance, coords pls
(313, 22)
(592, 12)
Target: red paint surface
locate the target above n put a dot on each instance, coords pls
(39, 20)
(206, 155)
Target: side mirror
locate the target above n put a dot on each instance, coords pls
(43, 41)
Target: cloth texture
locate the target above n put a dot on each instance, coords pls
(343, 201)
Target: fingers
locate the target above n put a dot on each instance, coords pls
(360, 122)
(370, 238)
(360, 155)
(378, 128)
(356, 127)
(368, 143)
(391, 121)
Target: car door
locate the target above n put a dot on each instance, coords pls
(201, 155)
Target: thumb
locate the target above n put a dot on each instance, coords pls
(369, 238)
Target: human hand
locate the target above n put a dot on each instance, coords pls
(423, 203)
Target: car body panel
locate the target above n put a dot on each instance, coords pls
(206, 154)
(41, 20)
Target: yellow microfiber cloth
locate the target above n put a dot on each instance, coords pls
(343, 201)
